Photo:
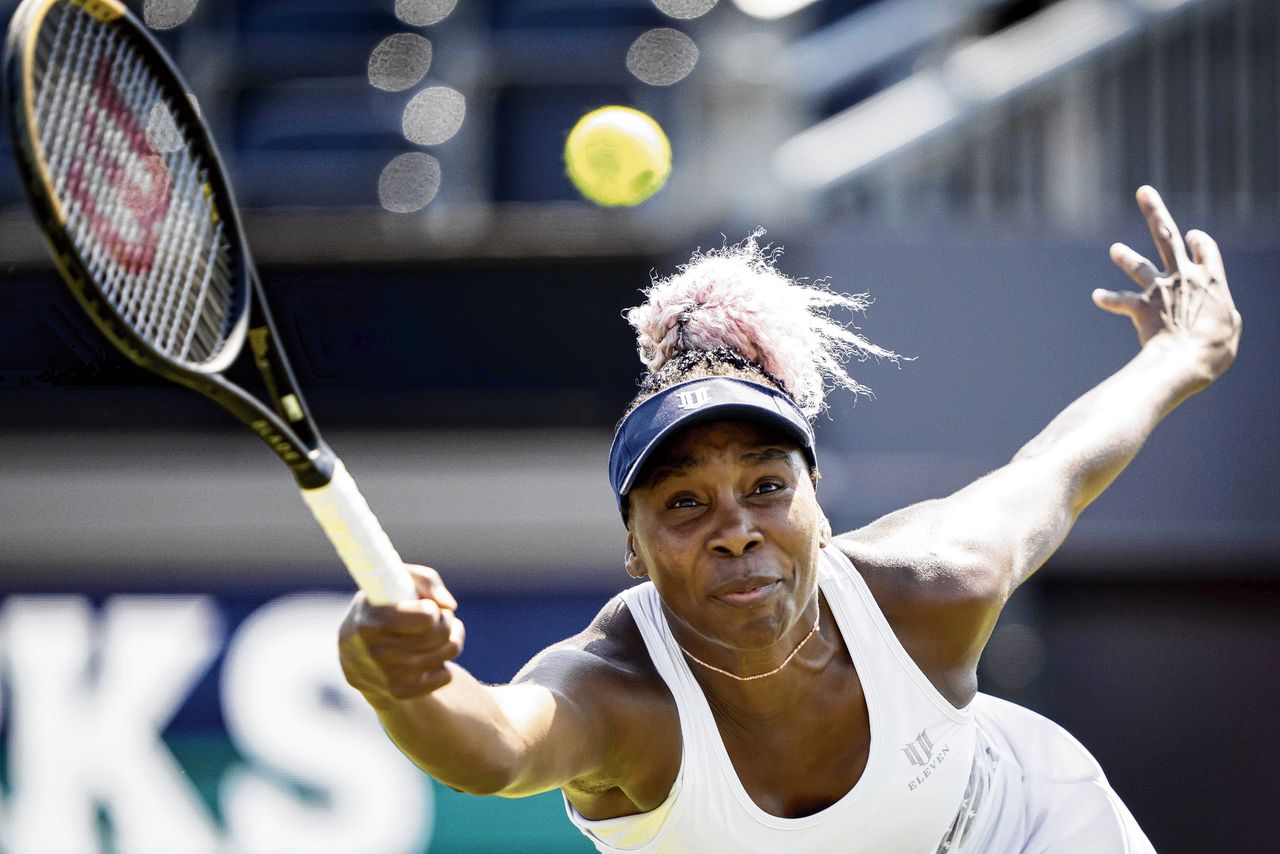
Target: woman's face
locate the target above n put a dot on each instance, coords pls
(727, 526)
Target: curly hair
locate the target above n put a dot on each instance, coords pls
(731, 312)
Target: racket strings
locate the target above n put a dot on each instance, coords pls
(178, 286)
(137, 209)
(122, 279)
(176, 281)
(59, 107)
(52, 40)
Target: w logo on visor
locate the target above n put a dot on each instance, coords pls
(692, 399)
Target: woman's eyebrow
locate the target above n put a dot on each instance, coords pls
(766, 455)
(680, 466)
(669, 469)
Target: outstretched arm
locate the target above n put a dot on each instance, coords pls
(965, 554)
(510, 740)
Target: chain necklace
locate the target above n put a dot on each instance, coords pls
(784, 663)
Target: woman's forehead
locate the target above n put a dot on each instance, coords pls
(702, 442)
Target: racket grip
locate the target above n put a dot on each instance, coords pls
(360, 541)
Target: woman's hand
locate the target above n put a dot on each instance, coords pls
(1188, 304)
(395, 652)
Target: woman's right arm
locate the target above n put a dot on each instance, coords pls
(509, 740)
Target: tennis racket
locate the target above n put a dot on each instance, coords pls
(135, 204)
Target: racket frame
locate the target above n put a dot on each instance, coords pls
(288, 428)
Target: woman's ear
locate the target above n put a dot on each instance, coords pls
(635, 566)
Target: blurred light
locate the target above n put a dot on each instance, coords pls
(434, 115)
(974, 76)
(859, 136)
(662, 56)
(826, 60)
(423, 13)
(162, 133)
(409, 182)
(167, 14)
(771, 9)
(399, 61)
(1051, 39)
(685, 9)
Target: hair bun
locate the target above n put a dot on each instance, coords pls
(736, 298)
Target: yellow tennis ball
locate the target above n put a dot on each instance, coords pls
(617, 156)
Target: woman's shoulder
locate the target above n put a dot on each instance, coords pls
(938, 605)
(909, 564)
(613, 644)
(605, 662)
(606, 668)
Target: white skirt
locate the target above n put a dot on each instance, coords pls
(1048, 794)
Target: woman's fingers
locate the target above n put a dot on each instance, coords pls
(1188, 298)
(1164, 231)
(447, 634)
(430, 585)
(1118, 302)
(1204, 251)
(416, 617)
(1135, 266)
(419, 617)
(402, 650)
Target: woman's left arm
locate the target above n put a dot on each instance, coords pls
(973, 548)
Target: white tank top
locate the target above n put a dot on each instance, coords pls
(923, 789)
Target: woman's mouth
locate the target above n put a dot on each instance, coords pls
(753, 595)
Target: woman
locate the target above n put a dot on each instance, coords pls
(777, 687)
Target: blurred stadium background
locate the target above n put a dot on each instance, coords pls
(167, 675)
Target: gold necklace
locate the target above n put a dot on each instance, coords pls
(784, 663)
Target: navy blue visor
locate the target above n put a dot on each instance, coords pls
(696, 402)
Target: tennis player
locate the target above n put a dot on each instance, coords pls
(773, 687)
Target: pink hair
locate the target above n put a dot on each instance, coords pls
(735, 297)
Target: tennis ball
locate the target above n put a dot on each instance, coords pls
(617, 156)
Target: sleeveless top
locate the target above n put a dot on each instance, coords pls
(926, 785)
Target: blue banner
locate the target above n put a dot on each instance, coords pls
(181, 724)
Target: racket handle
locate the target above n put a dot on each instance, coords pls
(361, 543)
